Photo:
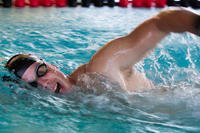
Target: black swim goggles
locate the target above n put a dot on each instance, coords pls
(40, 70)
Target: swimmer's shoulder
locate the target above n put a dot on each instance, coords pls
(79, 71)
(85, 70)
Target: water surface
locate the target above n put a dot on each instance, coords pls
(67, 38)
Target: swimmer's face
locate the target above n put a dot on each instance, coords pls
(48, 77)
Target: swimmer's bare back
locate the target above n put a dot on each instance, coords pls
(117, 58)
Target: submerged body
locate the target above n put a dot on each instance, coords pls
(116, 59)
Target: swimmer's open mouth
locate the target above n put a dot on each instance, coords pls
(58, 88)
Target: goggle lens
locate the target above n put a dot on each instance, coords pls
(41, 70)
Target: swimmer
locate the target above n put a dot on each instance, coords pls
(115, 60)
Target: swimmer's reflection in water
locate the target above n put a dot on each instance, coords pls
(115, 60)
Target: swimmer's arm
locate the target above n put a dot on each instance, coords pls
(178, 21)
(128, 50)
(147, 35)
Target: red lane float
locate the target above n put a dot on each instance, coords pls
(138, 3)
(123, 3)
(46, 3)
(61, 3)
(161, 3)
(148, 3)
(19, 3)
(34, 3)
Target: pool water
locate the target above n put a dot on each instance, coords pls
(67, 38)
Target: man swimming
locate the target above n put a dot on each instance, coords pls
(115, 60)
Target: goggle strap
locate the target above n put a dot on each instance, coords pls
(21, 66)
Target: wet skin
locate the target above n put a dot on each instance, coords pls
(54, 79)
(116, 59)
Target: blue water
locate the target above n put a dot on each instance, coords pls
(67, 38)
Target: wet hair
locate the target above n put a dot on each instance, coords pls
(19, 63)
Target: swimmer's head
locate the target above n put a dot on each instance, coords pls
(37, 72)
